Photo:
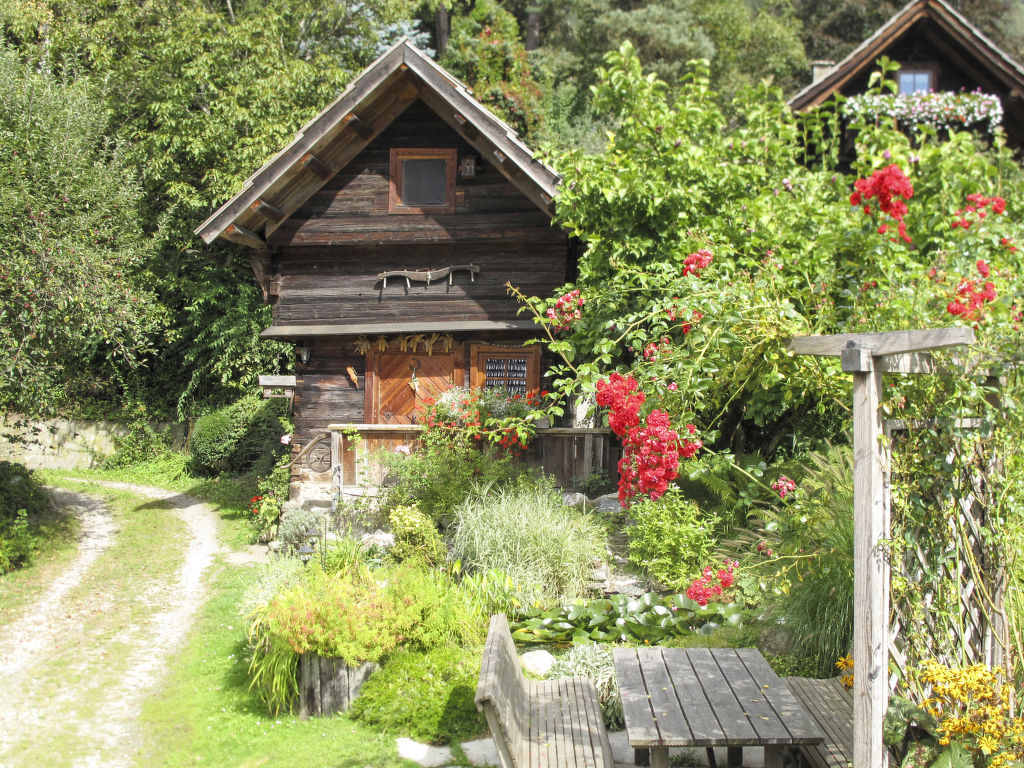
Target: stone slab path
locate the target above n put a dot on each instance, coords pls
(109, 726)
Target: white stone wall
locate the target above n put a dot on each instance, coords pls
(62, 443)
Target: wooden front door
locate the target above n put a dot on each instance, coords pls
(404, 381)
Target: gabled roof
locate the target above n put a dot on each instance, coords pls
(370, 103)
(996, 63)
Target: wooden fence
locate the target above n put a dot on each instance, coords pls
(566, 453)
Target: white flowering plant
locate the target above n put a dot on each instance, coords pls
(941, 110)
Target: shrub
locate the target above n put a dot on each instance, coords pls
(22, 501)
(670, 538)
(351, 616)
(241, 436)
(437, 477)
(439, 612)
(594, 662)
(801, 559)
(526, 532)
(271, 494)
(317, 616)
(293, 527)
(141, 443)
(425, 695)
(416, 536)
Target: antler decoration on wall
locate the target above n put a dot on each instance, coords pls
(429, 275)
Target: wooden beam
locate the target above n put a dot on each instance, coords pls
(243, 236)
(277, 381)
(884, 343)
(871, 573)
(267, 210)
(911, 362)
(311, 162)
(260, 263)
(360, 127)
(372, 329)
(468, 129)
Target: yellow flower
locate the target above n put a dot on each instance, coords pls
(847, 680)
(988, 744)
(845, 663)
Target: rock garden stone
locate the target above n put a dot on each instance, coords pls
(608, 504)
(574, 499)
(537, 662)
(377, 539)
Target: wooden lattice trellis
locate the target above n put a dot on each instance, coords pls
(971, 626)
(868, 356)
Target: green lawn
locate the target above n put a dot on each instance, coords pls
(24, 585)
(204, 713)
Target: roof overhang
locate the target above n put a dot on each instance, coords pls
(369, 329)
(333, 138)
(1000, 66)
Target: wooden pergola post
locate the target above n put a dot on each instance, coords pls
(867, 356)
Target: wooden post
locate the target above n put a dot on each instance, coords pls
(871, 572)
(867, 356)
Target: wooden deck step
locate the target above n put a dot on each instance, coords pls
(830, 703)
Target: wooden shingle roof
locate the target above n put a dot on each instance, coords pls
(986, 57)
(333, 138)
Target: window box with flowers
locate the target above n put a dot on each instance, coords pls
(941, 110)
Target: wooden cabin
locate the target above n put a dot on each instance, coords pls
(383, 237)
(938, 50)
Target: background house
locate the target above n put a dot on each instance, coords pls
(938, 50)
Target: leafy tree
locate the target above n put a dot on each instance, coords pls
(485, 51)
(77, 310)
(788, 254)
(202, 95)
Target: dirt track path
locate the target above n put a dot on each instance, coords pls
(96, 710)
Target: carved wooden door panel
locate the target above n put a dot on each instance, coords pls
(403, 381)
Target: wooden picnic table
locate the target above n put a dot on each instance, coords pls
(702, 697)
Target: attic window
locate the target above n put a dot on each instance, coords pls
(916, 80)
(423, 180)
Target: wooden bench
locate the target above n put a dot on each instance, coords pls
(538, 723)
(830, 703)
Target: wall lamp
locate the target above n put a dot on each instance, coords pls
(303, 352)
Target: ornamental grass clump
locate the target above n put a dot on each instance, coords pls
(525, 531)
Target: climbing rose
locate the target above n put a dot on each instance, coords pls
(891, 188)
(695, 262)
(783, 486)
(566, 311)
(704, 589)
(651, 449)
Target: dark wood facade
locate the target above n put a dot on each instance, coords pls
(327, 258)
(393, 296)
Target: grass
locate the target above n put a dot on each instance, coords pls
(23, 586)
(111, 602)
(229, 496)
(204, 712)
(525, 531)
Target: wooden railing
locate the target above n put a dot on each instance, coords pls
(567, 453)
